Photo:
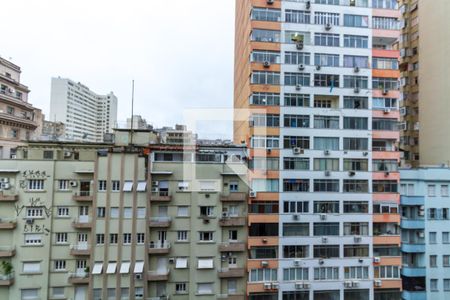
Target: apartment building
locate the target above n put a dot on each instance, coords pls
(425, 229)
(19, 120)
(102, 221)
(86, 114)
(424, 66)
(320, 82)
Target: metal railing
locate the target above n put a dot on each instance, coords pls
(159, 245)
(79, 247)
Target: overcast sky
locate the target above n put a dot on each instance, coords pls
(180, 53)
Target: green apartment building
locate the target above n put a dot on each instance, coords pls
(122, 221)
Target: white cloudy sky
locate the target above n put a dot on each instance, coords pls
(180, 53)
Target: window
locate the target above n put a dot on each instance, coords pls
(296, 141)
(356, 186)
(267, 142)
(266, 207)
(385, 186)
(326, 273)
(101, 211)
(102, 185)
(383, 103)
(183, 211)
(356, 250)
(35, 184)
(298, 16)
(296, 206)
(385, 63)
(128, 186)
(62, 211)
(356, 272)
(446, 237)
(326, 143)
(139, 292)
(114, 212)
(100, 238)
(356, 207)
(326, 39)
(263, 229)
(141, 186)
(233, 186)
(260, 275)
(296, 121)
(295, 229)
(355, 102)
(206, 236)
(446, 261)
(35, 212)
(296, 163)
(206, 211)
(446, 284)
(326, 185)
(387, 4)
(265, 99)
(387, 272)
(383, 83)
(63, 185)
(205, 263)
(355, 164)
(296, 185)
(61, 237)
(115, 185)
(432, 237)
(266, 14)
(48, 154)
(269, 36)
(351, 82)
(204, 288)
(265, 56)
(444, 190)
(180, 288)
(181, 263)
(58, 292)
(356, 144)
(265, 185)
(356, 21)
(326, 80)
(263, 252)
(297, 58)
(113, 238)
(385, 208)
(294, 79)
(292, 274)
(330, 2)
(127, 212)
(386, 250)
(60, 265)
(127, 238)
(356, 41)
(356, 228)
(352, 61)
(356, 123)
(324, 18)
(385, 23)
(327, 60)
(298, 100)
(326, 207)
(29, 294)
(141, 212)
(432, 215)
(384, 165)
(140, 238)
(264, 163)
(321, 229)
(268, 120)
(384, 124)
(31, 267)
(434, 285)
(296, 251)
(431, 188)
(33, 239)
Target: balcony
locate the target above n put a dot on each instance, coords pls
(8, 223)
(412, 200)
(413, 223)
(7, 251)
(159, 222)
(233, 197)
(413, 248)
(82, 222)
(79, 278)
(83, 196)
(232, 247)
(232, 221)
(21, 119)
(231, 272)
(159, 248)
(159, 298)
(7, 280)
(231, 297)
(161, 196)
(416, 295)
(413, 271)
(80, 250)
(158, 275)
(8, 198)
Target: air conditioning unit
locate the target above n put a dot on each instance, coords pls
(298, 285)
(225, 214)
(252, 194)
(326, 152)
(385, 91)
(301, 67)
(298, 87)
(421, 234)
(328, 26)
(296, 217)
(321, 261)
(355, 283)
(251, 123)
(270, 1)
(171, 260)
(6, 186)
(296, 262)
(323, 217)
(205, 221)
(387, 110)
(73, 183)
(318, 67)
(264, 240)
(155, 183)
(365, 153)
(138, 276)
(297, 150)
(327, 173)
(267, 285)
(356, 90)
(275, 285)
(351, 173)
(308, 5)
(67, 154)
(348, 284)
(266, 64)
(264, 263)
(324, 240)
(356, 69)
(352, 2)
(377, 283)
(29, 221)
(155, 189)
(376, 259)
(299, 45)
(421, 213)
(306, 285)
(357, 239)
(5, 180)
(386, 174)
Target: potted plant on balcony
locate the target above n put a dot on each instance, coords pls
(7, 268)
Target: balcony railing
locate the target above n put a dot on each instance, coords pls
(7, 251)
(158, 275)
(160, 221)
(159, 247)
(83, 196)
(80, 249)
(232, 247)
(82, 222)
(161, 196)
(8, 223)
(8, 198)
(79, 278)
(6, 279)
(231, 272)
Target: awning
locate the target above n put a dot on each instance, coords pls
(128, 186)
(125, 267)
(181, 263)
(97, 269)
(111, 268)
(142, 186)
(138, 267)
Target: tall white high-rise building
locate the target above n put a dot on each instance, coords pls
(86, 114)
